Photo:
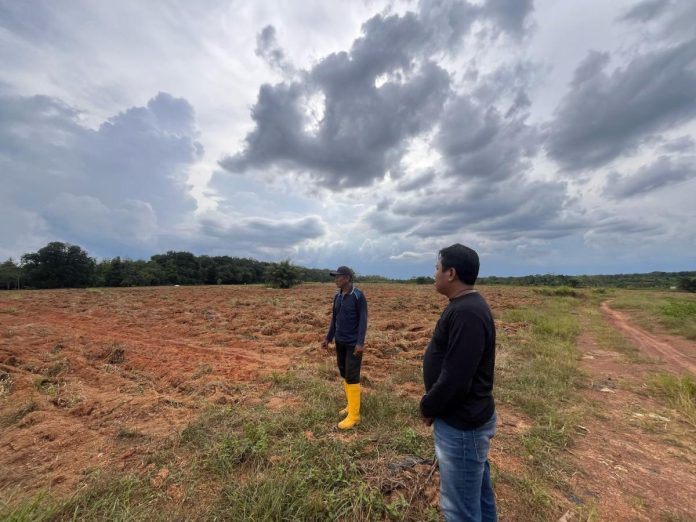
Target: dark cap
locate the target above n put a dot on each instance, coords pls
(342, 270)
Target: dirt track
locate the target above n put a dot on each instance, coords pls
(634, 458)
(678, 354)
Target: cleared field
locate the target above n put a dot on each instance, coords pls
(217, 402)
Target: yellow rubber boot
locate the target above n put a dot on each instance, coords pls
(344, 411)
(353, 418)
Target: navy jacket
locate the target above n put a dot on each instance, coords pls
(348, 318)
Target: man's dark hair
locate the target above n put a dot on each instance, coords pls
(464, 260)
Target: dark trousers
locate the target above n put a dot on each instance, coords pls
(348, 363)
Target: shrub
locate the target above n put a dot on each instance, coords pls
(282, 275)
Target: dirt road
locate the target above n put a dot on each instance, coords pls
(634, 456)
(670, 349)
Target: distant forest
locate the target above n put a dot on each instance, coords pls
(61, 265)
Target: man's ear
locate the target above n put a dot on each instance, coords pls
(452, 274)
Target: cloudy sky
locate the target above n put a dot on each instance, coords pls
(552, 137)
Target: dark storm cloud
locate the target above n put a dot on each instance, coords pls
(118, 181)
(362, 131)
(620, 226)
(680, 145)
(417, 182)
(478, 142)
(664, 171)
(373, 98)
(606, 115)
(510, 15)
(252, 233)
(267, 47)
(505, 210)
(645, 11)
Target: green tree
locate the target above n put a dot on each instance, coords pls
(59, 265)
(687, 284)
(282, 275)
(10, 275)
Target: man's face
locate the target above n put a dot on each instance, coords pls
(441, 277)
(341, 280)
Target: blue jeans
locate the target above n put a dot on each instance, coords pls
(466, 493)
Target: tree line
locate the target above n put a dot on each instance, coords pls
(61, 265)
(660, 280)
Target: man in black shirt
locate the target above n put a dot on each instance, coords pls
(458, 373)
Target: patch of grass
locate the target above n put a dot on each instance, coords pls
(292, 463)
(60, 366)
(535, 502)
(606, 336)
(679, 392)
(538, 373)
(669, 516)
(201, 370)
(14, 417)
(47, 385)
(676, 314)
(558, 291)
(10, 311)
(114, 353)
(6, 382)
(125, 433)
(404, 373)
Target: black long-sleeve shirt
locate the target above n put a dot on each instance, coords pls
(458, 364)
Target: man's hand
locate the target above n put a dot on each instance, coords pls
(325, 344)
(428, 421)
(358, 350)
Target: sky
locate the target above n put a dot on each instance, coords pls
(551, 137)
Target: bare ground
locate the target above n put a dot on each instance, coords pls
(637, 459)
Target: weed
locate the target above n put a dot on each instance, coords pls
(558, 291)
(125, 433)
(60, 366)
(47, 385)
(115, 353)
(679, 392)
(17, 415)
(202, 369)
(6, 382)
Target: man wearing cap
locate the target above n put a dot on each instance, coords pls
(458, 368)
(348, 327)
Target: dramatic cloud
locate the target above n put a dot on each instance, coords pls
(261, 237)
(372, 100)
(357, 140)
(509, 14)
(645, 11)
(267, 47)
(550, 136)
(503, 210)
(607, 115)
(114, 184)
(478, 142)
(664, 171)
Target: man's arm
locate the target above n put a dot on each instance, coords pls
(464, 351)
(332, 327)
(362, 324)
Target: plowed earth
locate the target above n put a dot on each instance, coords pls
(95, 379)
